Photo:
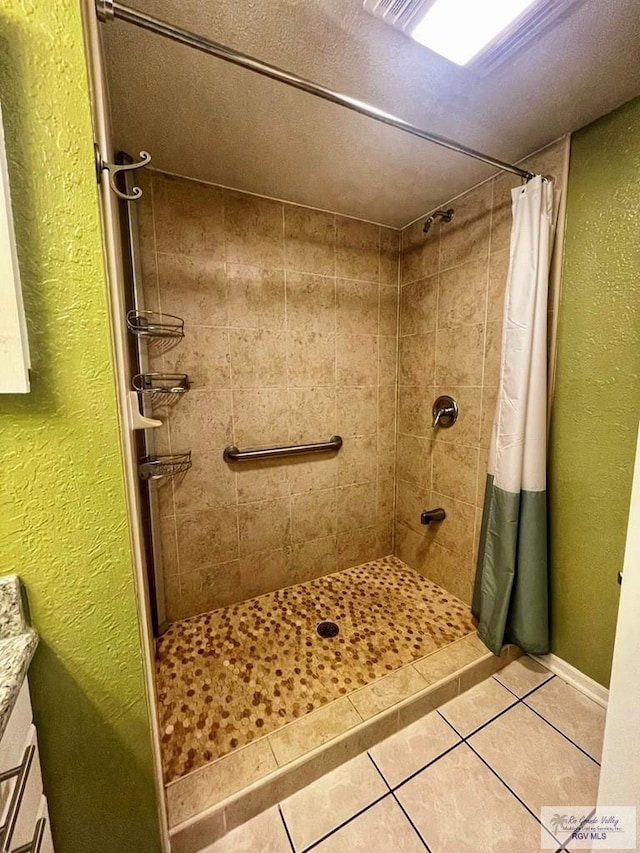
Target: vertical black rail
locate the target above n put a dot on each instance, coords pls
(129, 238)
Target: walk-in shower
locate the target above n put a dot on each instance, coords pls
(311, 523)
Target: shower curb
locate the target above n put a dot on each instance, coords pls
(211, 824)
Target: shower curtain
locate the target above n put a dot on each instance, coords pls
(510, 597)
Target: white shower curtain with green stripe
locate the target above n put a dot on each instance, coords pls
(511, 598)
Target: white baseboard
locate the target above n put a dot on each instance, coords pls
(575, 678)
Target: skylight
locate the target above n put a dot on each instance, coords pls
(460, 29)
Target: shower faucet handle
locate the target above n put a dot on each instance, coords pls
(445, 412)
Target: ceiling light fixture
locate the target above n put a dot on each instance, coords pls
(478, 34)
(460, 29)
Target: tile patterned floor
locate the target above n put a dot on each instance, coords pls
(468, 778)
(234, 675)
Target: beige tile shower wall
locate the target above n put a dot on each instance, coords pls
(290, 336)
(452, 289)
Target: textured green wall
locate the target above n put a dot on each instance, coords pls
(597, 400)
(63, 524)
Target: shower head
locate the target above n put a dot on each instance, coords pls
(445, 215)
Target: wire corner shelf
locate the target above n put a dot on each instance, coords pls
(153, 324)
(158, 385)
(160, 467)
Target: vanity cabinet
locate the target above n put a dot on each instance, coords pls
(23, 806)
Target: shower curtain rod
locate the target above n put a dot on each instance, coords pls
(108, 10)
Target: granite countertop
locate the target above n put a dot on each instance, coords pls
(18, 642)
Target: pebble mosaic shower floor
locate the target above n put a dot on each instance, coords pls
(228, 677)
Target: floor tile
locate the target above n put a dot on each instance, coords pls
(211, 784)
(474, 641)
(459, 806)
(523, 675)
(472, 709)
(450, 659)
(317, 809)
(381, 829)
(579, 717)
(264, 834)
(387, 691)
(313, 730)
(426, 702)
(410, 749)
(231, 676)
(536, 762)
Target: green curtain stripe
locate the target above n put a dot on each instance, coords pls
(512, 607)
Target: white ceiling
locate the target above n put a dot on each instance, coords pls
(203, 118)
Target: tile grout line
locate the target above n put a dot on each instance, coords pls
(511, 791)
(446, 268)
(478, 521)
(427, 765)
(344, 823)
(529, 693)
(287, 333)
(518, 700)
(567, 842)
(377, 393)
(432, 436)
(232, 388)
(497, 775)
(483, 726)
(348, 698)
(560, 732)
(272, 751)
(286, 829)
(396, 385)
(336, 386)
(399, 804)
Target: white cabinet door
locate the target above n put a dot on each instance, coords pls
(23, 806)
(29, 803)
(46, 841)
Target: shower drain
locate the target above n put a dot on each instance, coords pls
(327, 629)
